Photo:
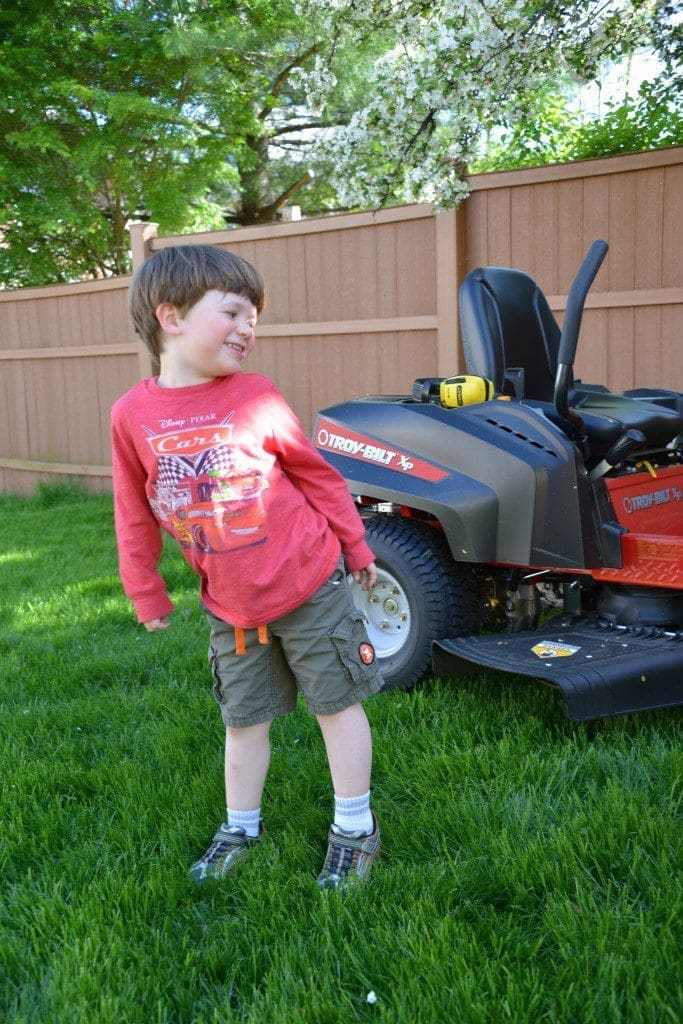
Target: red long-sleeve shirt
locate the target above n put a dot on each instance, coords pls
(226, 469)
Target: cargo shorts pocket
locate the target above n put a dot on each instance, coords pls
(356, 653)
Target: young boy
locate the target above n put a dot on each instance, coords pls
(216, 458)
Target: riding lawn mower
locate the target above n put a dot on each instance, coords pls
(522, 521)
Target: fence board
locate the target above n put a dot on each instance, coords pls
(671, 232)
(545, 235)
(648, 359)
(672, 349)
(570, 199)
(498, 226)
(621, 343)
(592, 358)
(620, 267)
(649, 257)
(522, 231)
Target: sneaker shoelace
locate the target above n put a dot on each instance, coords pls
(222, 844)
(342, 859)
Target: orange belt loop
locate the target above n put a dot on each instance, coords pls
(263, 634)
(239, 641)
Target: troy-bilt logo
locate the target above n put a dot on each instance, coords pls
(638, 502)
(339, 439)
(349, 446)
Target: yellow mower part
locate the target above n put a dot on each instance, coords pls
(456, 392)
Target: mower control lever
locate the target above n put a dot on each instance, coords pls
(624, 446)
(569, 340)
(576, 299)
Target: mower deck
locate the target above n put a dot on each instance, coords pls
(600, 672)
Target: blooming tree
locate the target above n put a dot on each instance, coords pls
(451, 70)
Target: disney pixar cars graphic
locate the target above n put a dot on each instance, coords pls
(209, 502)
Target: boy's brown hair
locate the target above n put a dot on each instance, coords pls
(181, 275)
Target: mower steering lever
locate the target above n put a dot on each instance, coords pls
(575, 302)
(569, 340)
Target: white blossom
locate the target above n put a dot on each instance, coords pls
(459, 67)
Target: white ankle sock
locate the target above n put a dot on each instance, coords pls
(248, 820)
(353, 814)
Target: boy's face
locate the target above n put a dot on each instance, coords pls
(211, 340)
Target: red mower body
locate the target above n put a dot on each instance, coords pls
(649, 505)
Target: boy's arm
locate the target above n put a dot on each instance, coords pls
(138, 535)
(323, 487)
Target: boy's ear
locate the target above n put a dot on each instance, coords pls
(168, 317)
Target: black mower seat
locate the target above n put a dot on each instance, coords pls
(607, 417)
(659, 396)
(507, 323)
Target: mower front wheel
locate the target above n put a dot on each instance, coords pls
(420, 596)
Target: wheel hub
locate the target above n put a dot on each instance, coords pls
(387, 613)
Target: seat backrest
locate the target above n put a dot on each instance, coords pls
(506, 322)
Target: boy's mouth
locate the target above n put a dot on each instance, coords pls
(239, 349)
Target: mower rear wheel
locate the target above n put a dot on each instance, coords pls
(420, 596)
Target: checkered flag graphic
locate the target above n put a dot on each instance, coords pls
(171, 469)
(218, 459)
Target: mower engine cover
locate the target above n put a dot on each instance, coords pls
(502, 481)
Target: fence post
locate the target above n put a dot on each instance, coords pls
(451, 267)
(141, 232)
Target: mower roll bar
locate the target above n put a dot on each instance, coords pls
(570, 336)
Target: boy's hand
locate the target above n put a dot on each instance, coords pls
(154, 625)
(367, 576)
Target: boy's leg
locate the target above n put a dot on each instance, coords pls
(328, 650)
(353, 841)
(253, 687)
(348, 743)
(247, 757)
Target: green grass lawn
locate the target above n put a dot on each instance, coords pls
(530, 867)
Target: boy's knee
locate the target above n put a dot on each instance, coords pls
(247, 732)
(353, 714)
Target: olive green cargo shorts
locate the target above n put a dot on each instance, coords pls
(322, 646)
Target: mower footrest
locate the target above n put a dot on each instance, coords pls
(600, 672)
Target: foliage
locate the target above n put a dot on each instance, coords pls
(653, 119)
(552, 130)
(530, 865)
(152, 109)
(456, 71)
(95, 113)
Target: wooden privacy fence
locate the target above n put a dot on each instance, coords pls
(364, 303)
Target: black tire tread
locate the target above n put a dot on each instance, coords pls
(447, 588)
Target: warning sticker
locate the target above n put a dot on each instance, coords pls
(551, 649)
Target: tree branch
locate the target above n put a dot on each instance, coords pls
(273, 207)
(280, 80)
(288, 129)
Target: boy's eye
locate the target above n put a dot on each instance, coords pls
(234, 314)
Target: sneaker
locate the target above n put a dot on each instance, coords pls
(349, 856)
(230, 845)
